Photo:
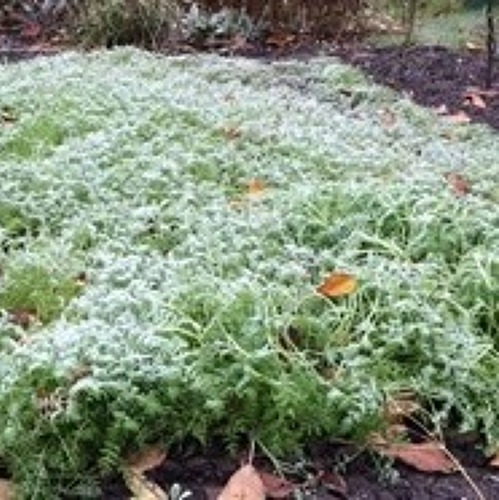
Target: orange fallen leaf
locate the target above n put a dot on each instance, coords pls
(276, 487)
(244, 484)
(146, 460)
(426, 457)
(337, 284)
(458, 183)
(459, 118)
(255, 187)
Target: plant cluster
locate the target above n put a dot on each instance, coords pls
(205, 200)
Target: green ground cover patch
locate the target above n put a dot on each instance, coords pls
(130, 171)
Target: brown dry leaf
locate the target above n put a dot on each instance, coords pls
(23, 317)
(255, 187)
(6, 490)
(459, 118)
(337, 284)
(426, 457)
(146, 460)
(244, 484)
(474, 99)
(458, 183)
(276, 487)
(141, 488)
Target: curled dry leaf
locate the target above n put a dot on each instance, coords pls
(244, 484)
(430, 456)
(458, 183)
(337, 284)
(277, 487)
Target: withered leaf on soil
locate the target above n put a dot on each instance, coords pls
(475, 100)
(337, 284)
(275, 486)
(458, 183)
(430, 456)
(244, 484)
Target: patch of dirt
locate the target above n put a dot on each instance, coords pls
(366, 476)
(435, 77)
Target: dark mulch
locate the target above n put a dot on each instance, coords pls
(434, 77)
(367, 477)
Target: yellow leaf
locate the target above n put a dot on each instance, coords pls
(141, 488)
(147, 459)
(338, 284)
(245, 484)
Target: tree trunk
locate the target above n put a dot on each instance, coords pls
(491, 44)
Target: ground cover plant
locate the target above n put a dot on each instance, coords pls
(166, 225)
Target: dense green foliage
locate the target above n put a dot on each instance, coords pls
(135, 173)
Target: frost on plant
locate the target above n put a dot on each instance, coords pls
(197, 314)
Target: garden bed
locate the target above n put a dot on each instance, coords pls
(165, 226)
